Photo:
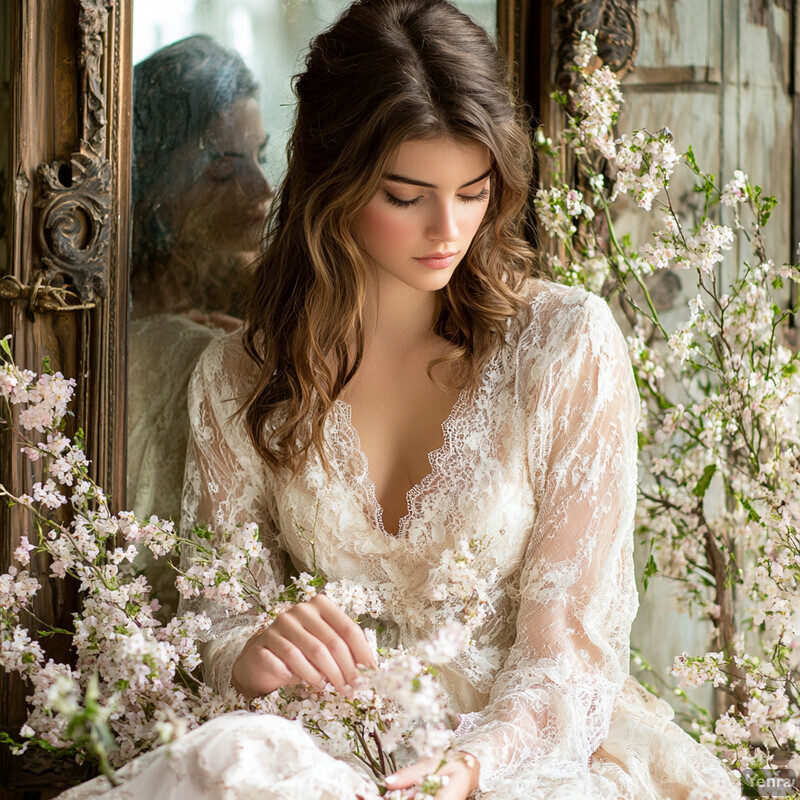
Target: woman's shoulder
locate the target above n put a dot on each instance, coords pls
(554, 308)
(224, 368)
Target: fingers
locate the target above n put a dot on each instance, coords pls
(322, 648)
(300, 652)
(456, 776)
(319, 642)
(347, 629)
(271, 674)
(328, 651)
(314, 642)
(457, 786)
(412, 774)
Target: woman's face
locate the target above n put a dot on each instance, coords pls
(420, 223)
(225, 205)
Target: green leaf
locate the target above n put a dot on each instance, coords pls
(663, 403)
(54, 631)
(691, 160)
(705, 479)
(767, 204)
(201, 532)
(752, 514)
(649, 569)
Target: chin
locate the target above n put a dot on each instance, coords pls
(440, 277)
(420, 278)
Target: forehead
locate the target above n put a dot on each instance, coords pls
(442, 162)
(239, 123)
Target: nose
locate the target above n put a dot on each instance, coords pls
(443, 225)
(253, 183)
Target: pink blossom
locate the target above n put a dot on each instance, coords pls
(22, 552)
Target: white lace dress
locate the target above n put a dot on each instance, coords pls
(541, 466)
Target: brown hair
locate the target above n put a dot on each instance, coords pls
(386, 71)
(178, 92)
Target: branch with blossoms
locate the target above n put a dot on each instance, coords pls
(135, 683)
(720, 427)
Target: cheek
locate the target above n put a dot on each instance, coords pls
(211, 206)
(473, 219)
(379, 228)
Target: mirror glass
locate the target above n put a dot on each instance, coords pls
(212, 112)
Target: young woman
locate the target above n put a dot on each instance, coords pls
(404, 383)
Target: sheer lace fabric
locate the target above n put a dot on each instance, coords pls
(163, 350)
(539, 466)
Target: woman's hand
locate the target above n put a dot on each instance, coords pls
(314, 641)
(461, 769)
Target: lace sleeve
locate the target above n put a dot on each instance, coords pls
(225, 484)
(551, 703)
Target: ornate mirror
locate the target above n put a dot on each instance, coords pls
(212, 110)
(72, 221)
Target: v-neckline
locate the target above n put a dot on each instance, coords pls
(422, 484)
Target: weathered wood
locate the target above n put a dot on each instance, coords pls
(794, 91)
(53, 45)
(512, 25)
(718, 77)
(673, 76)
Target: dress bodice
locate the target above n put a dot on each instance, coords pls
(538, 470)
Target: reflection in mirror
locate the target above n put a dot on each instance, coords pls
(199, 201)
(200, 195)
(199, 190)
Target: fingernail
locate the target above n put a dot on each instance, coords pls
(389, 780)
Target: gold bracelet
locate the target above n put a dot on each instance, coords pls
(462, 755)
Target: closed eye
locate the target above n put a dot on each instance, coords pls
(466, 198)
(396, 201)
(474, 198)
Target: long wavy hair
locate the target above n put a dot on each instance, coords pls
(385, 72)
(178, 92)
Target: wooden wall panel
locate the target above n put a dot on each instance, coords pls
(718, 75)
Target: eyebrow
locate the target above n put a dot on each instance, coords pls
(413, 182)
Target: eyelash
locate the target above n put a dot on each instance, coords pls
(467, 198)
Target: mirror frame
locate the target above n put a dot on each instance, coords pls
(64, 294)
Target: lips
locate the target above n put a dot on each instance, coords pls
(437, 260)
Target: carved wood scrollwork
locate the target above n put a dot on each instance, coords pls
(75, 199)
(616, 24)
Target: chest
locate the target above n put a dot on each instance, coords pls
(476, 486)
(397, 412)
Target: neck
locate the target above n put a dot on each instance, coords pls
(397, 318)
